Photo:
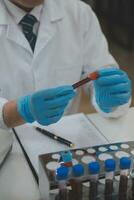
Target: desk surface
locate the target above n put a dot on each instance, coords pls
(115, 130)
(76, 128)
(16, 179)
(82, 130)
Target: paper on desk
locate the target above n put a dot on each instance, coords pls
(76, 128)
(115, 130)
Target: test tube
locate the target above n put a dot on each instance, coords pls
(94, 169)
(66, 158)
(125, 164)
(132, 186)
(61, 176)
(92, 76)
(109, 176)
(76, 182)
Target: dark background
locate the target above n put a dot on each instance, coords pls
(117, 21)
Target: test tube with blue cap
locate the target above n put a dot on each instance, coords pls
(66, 158)
(131, 192)
(125, 164)
(94, 169)
(109, 177)
(61, 177)
(76, 181)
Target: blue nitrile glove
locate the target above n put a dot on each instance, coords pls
(46, 106)
(112, 89)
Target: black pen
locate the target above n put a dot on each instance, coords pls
(55, 137)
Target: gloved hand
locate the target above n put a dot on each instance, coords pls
(46, 106)
(112, 89)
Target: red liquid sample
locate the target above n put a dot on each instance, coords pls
(108, 189)
(93, 190)
(63, 195)
(123, 187)
(76, 189)
(92, 76)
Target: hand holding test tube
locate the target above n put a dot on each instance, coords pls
(92, 76)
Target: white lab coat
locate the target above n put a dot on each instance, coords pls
(70, 44)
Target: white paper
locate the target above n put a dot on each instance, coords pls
(76, 128)
(115, 130)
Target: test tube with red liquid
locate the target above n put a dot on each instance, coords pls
(92, 76)
(94, 169)
(61, 177)
(125, 164)
(109, 178)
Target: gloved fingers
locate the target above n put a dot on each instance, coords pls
(50, 105)
(56, 118)
(55, 98)
(53, 92)
(59, 91)
(43, 120)
(120, 88)
(112, 80)
(65, 90)
(41, 104)
(113, 100)
(58, 102)
(122, 98)
(110, 71)
(55, 111)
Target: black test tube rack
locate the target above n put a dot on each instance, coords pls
(48, 183)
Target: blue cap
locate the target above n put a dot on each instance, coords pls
(66, 156)
(78, 170)
(62, 173)
(110, 165)
(94, 167)
(125, 163)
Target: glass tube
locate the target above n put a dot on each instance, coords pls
(61, 176)
(94, 170)
(109, 177)
(76, 182)
(125, 163)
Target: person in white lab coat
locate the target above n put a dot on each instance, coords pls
(45, 47)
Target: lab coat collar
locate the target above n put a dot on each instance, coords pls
(16, 35)
(3, 14)
(13, 33)
(52, 13)
(18, 14)
(55, 10)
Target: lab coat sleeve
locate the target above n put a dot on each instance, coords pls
(96, 55)
(2, 124)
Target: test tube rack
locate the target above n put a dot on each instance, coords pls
(48, 163)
